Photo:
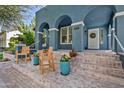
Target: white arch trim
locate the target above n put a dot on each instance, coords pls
(53, 29)
(78, 23)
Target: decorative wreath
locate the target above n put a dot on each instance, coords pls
(92, 35)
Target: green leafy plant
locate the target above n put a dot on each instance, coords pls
(36, 54)
(65, 58)
(28, 35)
(1, 56)
(10, 15)
(12, 44)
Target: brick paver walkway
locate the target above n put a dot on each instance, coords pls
(11, 78)
(88, 69)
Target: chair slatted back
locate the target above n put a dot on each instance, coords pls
(25, 50)
(46, 56)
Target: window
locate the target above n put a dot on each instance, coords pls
(66, 35)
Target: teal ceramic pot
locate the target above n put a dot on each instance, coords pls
(35, 60)
(65, 68)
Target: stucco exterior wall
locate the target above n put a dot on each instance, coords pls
(93, 16)
(120, 31)
(118, 24)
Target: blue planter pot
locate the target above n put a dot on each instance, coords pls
(64, 68)
(35, 60)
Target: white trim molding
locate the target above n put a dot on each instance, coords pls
(53, 29)
(39, 32)
(78, 23)
(118, 14)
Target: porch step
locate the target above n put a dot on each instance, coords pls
(103, 70)
(115, 65)
(98, 61)
(104, 63)
(101, 57)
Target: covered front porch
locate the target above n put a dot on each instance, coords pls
(92, 32)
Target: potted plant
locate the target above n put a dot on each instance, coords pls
(65, 65)
(36, 59)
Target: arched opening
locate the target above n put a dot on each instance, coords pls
(65, 32)
(43, 36)
(97, 22)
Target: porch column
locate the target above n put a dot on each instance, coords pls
(53, 38)
(114, 42)
(77, 36)
(109, 38)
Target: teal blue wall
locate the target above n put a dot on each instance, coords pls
(118, 24)
(77, 38)
(93, 16)
(53, 39)
(120, 31)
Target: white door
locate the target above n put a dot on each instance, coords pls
(93, 38)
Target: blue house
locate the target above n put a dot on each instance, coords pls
(80, 27)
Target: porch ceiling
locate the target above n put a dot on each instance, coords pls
(99, 16)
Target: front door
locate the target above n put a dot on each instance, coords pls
(93, 38)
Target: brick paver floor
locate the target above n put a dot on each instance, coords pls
(11, 78)
(87, 70)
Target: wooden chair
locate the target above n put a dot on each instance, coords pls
(24, 52)
(46, 60)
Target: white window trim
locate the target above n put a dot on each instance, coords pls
(77, 23)
(66, 35)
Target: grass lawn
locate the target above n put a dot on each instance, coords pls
(1, 56)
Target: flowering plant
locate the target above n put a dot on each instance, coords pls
(65, 58)
(36, 54)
